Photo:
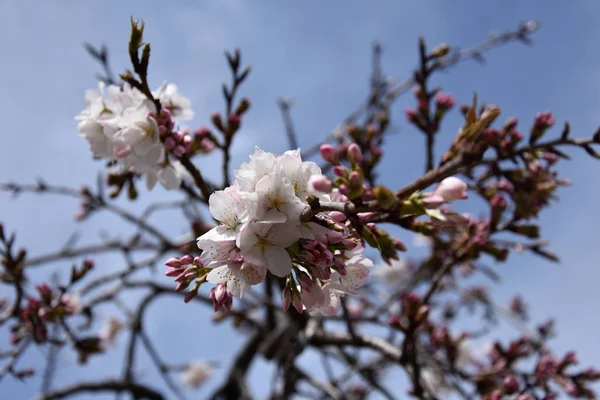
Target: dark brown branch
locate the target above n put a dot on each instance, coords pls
(235, 384)
(136, 390)
(345, 339)
(285, 107)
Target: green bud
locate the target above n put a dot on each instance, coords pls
(369, 237)
(385, 197)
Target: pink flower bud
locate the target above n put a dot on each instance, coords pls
(187, 259)
(286, 299)
(354, 153)
(363, 217)
(451, 189)
(221, 297)
(355, 179)
(510, 384)
(172, 271)
(202, 132)
(349, 244)
(340, 171)
(170, 143)
(320, 183)
(176, 136)
(544, 119)
(234, 119)
(398, 244)
(444, 101)
(173, 262)
(190, 295)
(511, 123)
(337, 216)
(297, 303)
(179, 150)
(334, 237)
(45, 291)
(411, 115)
(305, 282)
(328, 153)
(432, 200)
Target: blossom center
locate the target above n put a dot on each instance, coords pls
(276, 202)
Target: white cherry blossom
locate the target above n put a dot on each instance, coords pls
(274, 200)
(264, 244)
(298, 172)
(175, 102)
(118, 124)
(238, 276)
(261, 163)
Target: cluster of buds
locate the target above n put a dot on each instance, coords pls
(543, 121)
(421, 117)
(362, 151)
(503, 140)
(547, 369)
(178, 142)
(233, 121)
(472, 136)
(165, 122)
(78, 273)
(350, 182)
(50, 307)
(186, 270)
(204, 141)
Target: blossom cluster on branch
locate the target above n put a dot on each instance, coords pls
(261, 232)
(122, 124)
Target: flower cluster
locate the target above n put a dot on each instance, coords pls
(123, 124)
(261, 230)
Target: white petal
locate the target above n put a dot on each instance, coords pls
(169, 178)
(278, 260)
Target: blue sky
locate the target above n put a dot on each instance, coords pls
(318, 53)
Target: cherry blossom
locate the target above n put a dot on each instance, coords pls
(121, 123)
(260, 231)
